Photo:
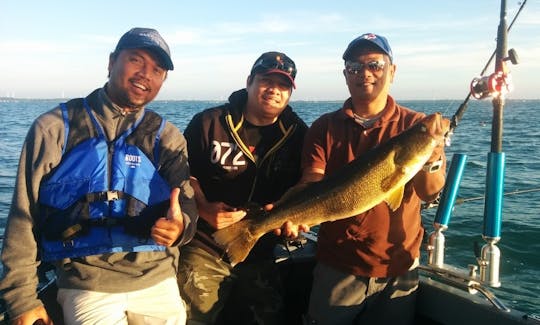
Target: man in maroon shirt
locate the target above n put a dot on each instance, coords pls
(366, 265)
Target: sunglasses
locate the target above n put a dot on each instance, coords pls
(357, 67)
(276, 63)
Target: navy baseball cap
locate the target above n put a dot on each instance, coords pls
(147, 38)
(369, 38)
(275, 62)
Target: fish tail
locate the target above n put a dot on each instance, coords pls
(237, 240)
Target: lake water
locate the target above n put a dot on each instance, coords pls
(520, 232)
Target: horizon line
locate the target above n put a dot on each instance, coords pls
(3, 98)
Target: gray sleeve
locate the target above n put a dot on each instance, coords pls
(175, 169)
(40, 153)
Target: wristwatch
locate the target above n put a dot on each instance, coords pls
(433, 166)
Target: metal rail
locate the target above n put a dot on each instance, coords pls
(466, 282)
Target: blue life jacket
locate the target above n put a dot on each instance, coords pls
(100, 188)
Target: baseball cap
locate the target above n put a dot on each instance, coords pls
(147, 38)
(369, 38)
(275, 62)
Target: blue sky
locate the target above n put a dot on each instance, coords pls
(52, 49)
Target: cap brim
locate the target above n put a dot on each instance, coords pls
(163, 57)
(282, 73)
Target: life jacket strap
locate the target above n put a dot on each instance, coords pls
(73, 231)
(105, 196)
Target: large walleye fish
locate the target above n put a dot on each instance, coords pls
(379, 175)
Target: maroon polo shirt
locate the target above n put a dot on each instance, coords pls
(378, 242)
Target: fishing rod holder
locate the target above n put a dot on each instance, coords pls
(490, 255)
(435, 246)
(489, 263)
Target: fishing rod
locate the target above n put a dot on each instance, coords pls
(477, 81)
(495, 85)
(498, 85)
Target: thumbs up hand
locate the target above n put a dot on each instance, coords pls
(166, 231)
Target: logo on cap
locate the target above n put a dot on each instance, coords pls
(379, 41)
(370, 36)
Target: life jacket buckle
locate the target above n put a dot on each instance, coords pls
(68, 243)
(112, 195)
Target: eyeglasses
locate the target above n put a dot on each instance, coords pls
(372, 66)
(275, 63)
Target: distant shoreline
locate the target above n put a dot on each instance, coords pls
(14, 99)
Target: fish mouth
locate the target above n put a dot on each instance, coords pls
(436, 125)
(444, 124)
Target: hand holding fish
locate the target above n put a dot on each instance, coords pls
(166, 231)
(429, 182)
(288, 229)
(434, 129)
(219, 215)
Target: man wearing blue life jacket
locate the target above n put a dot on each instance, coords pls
(103, 193)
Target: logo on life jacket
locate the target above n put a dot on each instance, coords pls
(133, 161)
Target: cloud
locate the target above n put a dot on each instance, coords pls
(185, 36)
(441, 44)
(36, 47)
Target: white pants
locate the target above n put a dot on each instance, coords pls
(160, 304)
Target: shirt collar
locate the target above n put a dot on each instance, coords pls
(389, 112)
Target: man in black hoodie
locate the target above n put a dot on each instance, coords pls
(243, 152)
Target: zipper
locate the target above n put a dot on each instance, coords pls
(234, 132)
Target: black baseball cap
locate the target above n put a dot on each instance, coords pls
(275, 62)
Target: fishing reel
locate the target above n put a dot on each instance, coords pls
(499, 82)
(492, 85)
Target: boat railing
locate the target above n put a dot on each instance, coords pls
(463, 280)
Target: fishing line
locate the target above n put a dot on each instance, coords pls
(448, 107)
(476, 198)
(463, 200)
(463, 107)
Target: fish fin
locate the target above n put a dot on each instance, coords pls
(394, 198)
(237, 240)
